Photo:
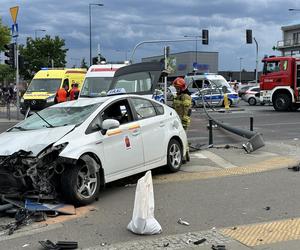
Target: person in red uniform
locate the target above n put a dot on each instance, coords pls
(62, 94)
(74, 92)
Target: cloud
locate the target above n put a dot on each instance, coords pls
(120, 25)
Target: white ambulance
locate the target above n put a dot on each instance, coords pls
(98, 79)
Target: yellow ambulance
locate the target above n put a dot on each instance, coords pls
(42, 89)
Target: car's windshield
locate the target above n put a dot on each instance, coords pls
(57, 116)
(44, 85)
(93, 86)
(219, 83)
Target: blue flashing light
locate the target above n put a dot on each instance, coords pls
(44, 68)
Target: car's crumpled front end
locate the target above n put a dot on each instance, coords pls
(22, 173)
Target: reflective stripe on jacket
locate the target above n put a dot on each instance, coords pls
(182, 104)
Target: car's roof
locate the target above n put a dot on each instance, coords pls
(81, 102)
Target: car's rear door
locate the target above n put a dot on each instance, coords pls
(153, 124)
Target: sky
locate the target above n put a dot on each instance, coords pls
(119, 25)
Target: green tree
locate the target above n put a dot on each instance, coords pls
(42, 52)
(83, 64)
(7, 74)
(5, 37)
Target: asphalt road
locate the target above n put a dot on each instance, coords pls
(219, 202)
(208, 203)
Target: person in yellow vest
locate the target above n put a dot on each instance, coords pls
(182, 102)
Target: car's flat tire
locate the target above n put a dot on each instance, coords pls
(174, 156)
(80, 185)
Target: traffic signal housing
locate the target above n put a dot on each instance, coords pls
(248, 36)
(10, 54)
(205, 37)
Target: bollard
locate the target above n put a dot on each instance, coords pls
(210, 135)
(226, 102)
(251, 123)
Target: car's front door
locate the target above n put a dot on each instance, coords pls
(153, 127)
(123, 148)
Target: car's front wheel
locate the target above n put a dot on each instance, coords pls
(81, 183)
(174, 155)
(252, 101)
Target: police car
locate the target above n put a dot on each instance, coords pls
(74, 148)
(214, 97)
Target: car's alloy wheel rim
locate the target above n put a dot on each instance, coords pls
(175, 155)
(86, 182)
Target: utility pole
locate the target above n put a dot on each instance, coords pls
(241, 58)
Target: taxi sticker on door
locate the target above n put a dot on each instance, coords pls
(127, 142)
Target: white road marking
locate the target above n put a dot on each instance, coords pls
(198, 155)
(218, 160)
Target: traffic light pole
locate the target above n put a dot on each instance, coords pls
(256, 65)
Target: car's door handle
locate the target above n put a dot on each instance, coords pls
(135, 132)
(161, 124)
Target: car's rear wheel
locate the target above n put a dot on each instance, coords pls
(252, 101)
(174, 155)
(81, 183)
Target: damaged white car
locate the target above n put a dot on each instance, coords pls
(72, 149)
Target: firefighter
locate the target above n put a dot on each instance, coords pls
(62, 94)
(182, 102)
(74, 92)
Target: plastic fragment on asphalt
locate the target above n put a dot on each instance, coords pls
(45, 207)
(166, 244)
(267, 208)
(49, 245)
(183, 222)
(218, 247)
(25, 245)
(295, 168)
(198, 242)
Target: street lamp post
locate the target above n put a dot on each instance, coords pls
(196, 51)
(35, 32)
(241, 58)
(90, 16)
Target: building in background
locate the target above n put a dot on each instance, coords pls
(290, 44)
(185, 62)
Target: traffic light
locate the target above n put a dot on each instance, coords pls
(10, 54)
(205, 37)
(248, 36)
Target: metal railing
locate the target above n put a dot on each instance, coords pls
(288, 43)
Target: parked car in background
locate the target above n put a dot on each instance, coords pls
(214, 97)
(252, 96)
(242, 90)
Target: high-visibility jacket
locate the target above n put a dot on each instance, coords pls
(61, 95)
(74, 93)
(182, 104)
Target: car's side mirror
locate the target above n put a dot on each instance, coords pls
(109, 124)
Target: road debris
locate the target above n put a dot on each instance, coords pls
(183, 222)
(267, 208)
(218, 247)
(295, 168)
(46, 207)
(198, 242)
(166, 244)
(49, 245)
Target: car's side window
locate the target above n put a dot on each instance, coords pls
(119, 111)
(143, 108)
(95, 125)
(159, 108)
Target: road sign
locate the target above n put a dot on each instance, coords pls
(15, 30)
(14, 13)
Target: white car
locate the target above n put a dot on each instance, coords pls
(74, 148)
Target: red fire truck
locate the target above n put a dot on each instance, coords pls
(280, 82)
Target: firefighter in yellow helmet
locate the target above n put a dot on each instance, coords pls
(182, 102)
